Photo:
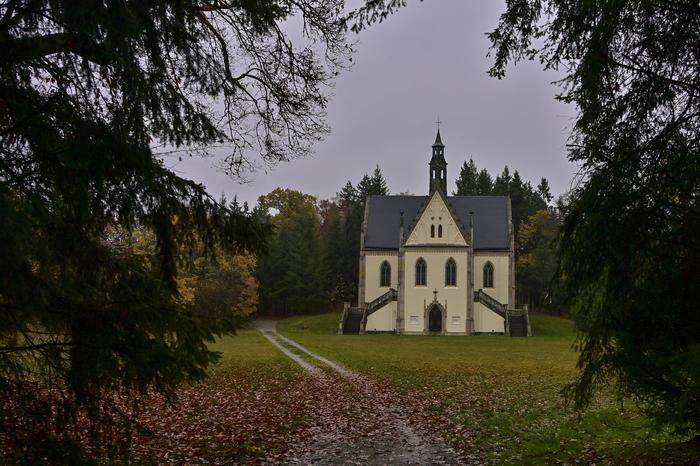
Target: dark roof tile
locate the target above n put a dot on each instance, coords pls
(490, 219)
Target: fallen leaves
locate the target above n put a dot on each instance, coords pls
(238, 415)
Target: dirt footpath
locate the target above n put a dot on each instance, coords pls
(357, 420)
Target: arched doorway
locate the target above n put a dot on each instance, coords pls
(435, 319)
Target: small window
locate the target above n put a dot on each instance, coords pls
(488, 275)
(432, 231)
(450, 273)
(439, 231)
(385, 274)
(421, 272)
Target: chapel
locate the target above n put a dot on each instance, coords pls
(436, 264)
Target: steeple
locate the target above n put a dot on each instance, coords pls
(438, 141)
(438, 166)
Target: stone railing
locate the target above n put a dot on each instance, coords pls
(352, 320)
(516, 321)
(492, 303)
(381, 301)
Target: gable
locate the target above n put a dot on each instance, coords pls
(434, 217)
(490, 219)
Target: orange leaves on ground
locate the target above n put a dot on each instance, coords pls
(237, 415)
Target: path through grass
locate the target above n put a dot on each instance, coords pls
(497, 395)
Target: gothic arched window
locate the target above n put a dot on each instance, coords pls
(450, 273)
(432, 231)
(439, 231)
(488, 275)
(385, 274)
(421, 272)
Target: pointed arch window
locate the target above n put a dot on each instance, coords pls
(385, 274)
(432, 231)
(421, 272)
(450, 272)
(488, 275)
(439, 231)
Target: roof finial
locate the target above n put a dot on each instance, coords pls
(438, 139)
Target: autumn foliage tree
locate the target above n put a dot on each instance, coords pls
(312, 262)
(292, 273)
(224, 288)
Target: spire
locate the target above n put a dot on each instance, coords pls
(438, 141)
(438, 167)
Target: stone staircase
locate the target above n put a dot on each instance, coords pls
(517, 325)
(480, 296)
(354, 319)
(517, 321)
(381, 301)
(351, 322)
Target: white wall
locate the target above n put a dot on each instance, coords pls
(373, 261)
(451, 245)
(385, 318)
(485, 320)
(436, 213)
(453, 298)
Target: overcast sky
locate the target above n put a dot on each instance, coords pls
(428, 59)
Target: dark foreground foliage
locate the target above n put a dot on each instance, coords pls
(630, 252)
(88, 90)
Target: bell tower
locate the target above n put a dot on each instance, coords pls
(438, 167)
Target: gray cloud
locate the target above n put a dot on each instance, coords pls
(427, 59)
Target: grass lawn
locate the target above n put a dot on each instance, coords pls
(249, 349)
(497, 395)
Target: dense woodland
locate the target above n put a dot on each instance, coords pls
(313, 257)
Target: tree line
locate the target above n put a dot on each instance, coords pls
(312, 260)
(536, 222)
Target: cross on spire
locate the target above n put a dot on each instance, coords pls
(435, 293)
(438, 122)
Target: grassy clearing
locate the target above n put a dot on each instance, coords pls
(248, 348)
(551, 326)
(499, 395)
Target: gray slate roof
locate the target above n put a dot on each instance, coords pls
(490, 219)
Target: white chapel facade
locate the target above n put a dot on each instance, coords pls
(436, 264)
